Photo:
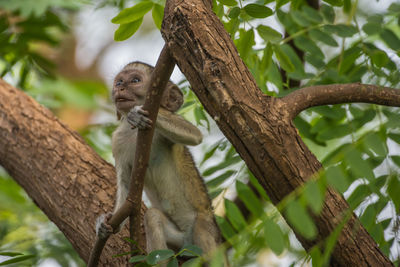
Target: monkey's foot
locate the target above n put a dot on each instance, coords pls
(103, 229)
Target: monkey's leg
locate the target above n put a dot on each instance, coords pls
(205, 234)
(160, 231)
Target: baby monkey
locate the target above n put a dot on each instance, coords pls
(180, 211)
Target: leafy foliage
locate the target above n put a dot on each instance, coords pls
(168, 256)
(41, 240)
(13, 257)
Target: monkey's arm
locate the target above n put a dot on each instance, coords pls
(177, 129)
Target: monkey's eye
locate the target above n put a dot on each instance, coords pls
(119, 82)
(136, 80)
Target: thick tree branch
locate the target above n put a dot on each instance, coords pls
(64, 176)
(159, 79)
(257, 125)
(319, 95)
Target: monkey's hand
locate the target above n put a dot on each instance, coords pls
(103, 229)
(138, 118)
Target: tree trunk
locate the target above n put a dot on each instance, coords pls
(259, 126)
(65, 177)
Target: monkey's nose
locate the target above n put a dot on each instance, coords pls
(122, 88)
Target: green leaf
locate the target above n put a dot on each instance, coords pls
(315, 61)
(267, 58)
(127, 30)
(390, 39)
(336, 178)
(328, 12)
(283, 59)
(329, 134)
(137, 258)
(234, 215)
(356, 112)
(245, 42)
(395, 137)
(226, 229)
(220, 179)
(349, 58)
(300, 18)
(394, 8)
(10, 254)
(274, 236)
(133, 13)
(376, 144)
(368, 217)
(196, 262)
(341, 29)
(301, 221)
(234, 12)
(256, 184)
(173, 263)
(323, 37)
(258, 11)
(371, 28)
(314, 196)
(396, 160)
(347, 6)
(368, 116)
(158, 14)
(157, 256)
(280, 3)
(269, 34)
(379, 182)
(221, 165)
(358, 195)
(307, 45)
(335, 112)
(379, 58)
(274, 75)
(358, 166)
(211, 151)
(191, 251)
(294, 58)
(218, 259)
(316, 257)
(249, 198)
(228, 2)
(335, 2)
(312, 14)
(16, 259)
(200, 116)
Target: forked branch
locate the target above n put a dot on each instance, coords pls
(132, 206)
(319, 95)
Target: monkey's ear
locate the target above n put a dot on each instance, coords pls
(173, 98)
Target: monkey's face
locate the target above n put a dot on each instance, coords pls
(129, 89)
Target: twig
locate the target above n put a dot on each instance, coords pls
(132, 205)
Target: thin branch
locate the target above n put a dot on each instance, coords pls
(320, 95)
(159, 79)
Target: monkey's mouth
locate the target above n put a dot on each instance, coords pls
(122, 99)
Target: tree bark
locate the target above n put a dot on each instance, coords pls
(257, 125)
(65, 177)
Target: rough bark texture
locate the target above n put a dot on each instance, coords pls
(319, 95)
(257, 125)
(59, 171)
